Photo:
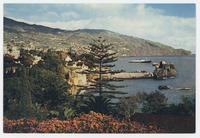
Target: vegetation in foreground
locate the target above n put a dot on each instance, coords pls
(86, 123)
(40, 92)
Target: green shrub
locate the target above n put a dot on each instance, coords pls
(17, 96)
(127, 106)
(49, 89)
(186, 107)
(100, 104)
(153, 102)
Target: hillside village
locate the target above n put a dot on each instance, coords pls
(14, 50)
(46, 37)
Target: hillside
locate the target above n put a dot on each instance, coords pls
(41, 36)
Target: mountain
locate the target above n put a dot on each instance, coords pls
(42, 36)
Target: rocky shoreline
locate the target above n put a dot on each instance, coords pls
(129, 75)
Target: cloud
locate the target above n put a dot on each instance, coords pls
(70, 15)
(105, 8)
(131, 19)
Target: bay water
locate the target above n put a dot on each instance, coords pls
(185, 67)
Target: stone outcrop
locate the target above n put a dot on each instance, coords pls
(164, 70)
(77, 79)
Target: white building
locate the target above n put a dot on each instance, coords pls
(36, 60)
(68, 59)
(13, 51)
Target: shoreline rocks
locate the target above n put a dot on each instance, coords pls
(164, 70)
(129, 75)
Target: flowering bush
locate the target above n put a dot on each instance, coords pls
(86, 123)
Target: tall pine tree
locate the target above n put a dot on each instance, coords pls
(100, 55)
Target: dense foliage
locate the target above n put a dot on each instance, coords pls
(155, 103)
(128, 106)
(17, 97)
(99, 104)
(36, 90)
(185, 107)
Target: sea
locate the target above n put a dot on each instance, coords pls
(185, 78)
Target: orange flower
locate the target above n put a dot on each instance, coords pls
(87, 123)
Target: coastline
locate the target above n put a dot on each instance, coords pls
(192, 55)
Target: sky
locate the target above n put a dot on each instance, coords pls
(171, 24)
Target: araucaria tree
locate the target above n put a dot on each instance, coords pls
(100, 55)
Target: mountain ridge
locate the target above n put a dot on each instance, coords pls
(43, 36)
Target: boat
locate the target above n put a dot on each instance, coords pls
(140, 61)
(184, 88)
(164, 87)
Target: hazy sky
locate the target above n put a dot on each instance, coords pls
(172, 24)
